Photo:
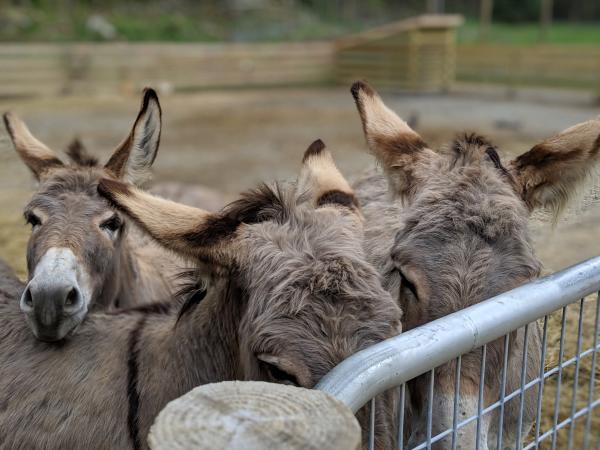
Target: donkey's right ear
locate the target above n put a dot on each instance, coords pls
(398, 148)
(39, 158)
(132, 159)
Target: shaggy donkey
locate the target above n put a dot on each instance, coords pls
(450, 230)
(79, 255)
(290, 296)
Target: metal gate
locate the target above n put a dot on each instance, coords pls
(566, 388)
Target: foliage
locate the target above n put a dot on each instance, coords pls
(269, 20)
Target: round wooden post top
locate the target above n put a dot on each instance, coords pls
(252, 415)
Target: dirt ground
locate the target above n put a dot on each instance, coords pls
(230, 140)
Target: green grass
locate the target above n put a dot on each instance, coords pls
(156, 22)
(181, 20)
(527, 34)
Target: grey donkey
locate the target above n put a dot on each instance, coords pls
(290, 295)
(448, 229)
(82, 254)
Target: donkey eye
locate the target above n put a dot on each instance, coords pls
(112, 224)
(407, 284)
(32, 219)
(279, 375)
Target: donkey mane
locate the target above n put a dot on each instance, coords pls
(79, 155)
(261, 204)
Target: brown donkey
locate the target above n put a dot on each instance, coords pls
(290, 296)
(455, 233)
(80, 255)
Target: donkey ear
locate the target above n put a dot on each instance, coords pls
(184, 229)
(132, 159)
(39, 158)
(553, 171)
(395, 145)
(320, 176)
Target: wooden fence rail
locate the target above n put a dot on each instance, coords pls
(28, 70)
(54, 69)
(572, 66)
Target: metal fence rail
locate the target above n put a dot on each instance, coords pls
(566, 421)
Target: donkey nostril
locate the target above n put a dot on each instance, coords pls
(27, 299)
(72, 297)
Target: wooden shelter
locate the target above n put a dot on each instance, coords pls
(416, 54)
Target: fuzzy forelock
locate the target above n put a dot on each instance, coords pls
(79, 156)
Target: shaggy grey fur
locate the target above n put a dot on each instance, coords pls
(462, 238)
(302, 294)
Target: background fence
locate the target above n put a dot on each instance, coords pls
(572, 66)
(29, 70)
(59, 69)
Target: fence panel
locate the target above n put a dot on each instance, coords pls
(573, 66)
(543, 342)
(55, 69)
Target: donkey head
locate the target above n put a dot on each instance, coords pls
(76, 246)
(308, 298)
(464, 233)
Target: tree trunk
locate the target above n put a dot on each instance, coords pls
(545, 18)
(485, 19)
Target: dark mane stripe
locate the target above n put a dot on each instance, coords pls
(133, 395)
(258, 205)
(191, 292)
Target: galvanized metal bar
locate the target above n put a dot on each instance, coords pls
(372, 426)
(456, 402)
(588, 420)
(538, 415)
(392, 362)
(523, 381)
(561, 352)
(502, 391)
(401, 404)
(576, 377)
(430, 406)
(480, 396)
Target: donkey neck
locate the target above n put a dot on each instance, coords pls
(173, 357)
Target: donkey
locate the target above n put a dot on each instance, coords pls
(80, 255)
(451, 230)
(290, 295)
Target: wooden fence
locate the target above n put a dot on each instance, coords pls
(28, 70)
(416, 54)
(572, 66)
(55, 69)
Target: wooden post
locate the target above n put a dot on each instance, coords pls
(242, 415)
(485, 19)
(435, 6)
(545, 18)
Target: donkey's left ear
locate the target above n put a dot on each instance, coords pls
(133, 158)
(553, 171)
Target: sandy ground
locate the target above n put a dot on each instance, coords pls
(230, 140)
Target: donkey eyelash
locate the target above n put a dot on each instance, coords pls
(113, 223)
(281, 375)
(32, 219)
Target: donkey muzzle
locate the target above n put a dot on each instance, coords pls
(53, 301)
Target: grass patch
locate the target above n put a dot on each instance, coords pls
(529, 34)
